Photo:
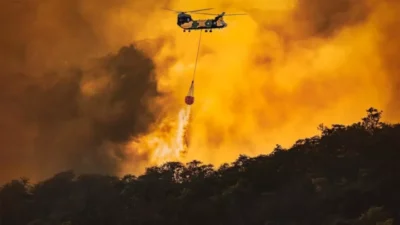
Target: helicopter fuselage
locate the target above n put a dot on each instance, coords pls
(202, 24)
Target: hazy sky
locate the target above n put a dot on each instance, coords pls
(74, 94)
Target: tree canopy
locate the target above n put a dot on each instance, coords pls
(346, 175)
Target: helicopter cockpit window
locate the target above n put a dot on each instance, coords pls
(184, 19)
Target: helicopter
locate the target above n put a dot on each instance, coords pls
(186, 22)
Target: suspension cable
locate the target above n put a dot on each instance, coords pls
(197, 56)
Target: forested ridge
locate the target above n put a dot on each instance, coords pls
(346, 175)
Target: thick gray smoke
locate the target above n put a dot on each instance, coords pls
(64, 104)
(71, 129)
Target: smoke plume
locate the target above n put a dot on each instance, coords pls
(73, 97)
(67, 101)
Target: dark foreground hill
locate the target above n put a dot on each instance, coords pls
(347, 175)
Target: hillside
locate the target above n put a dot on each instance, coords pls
(347, 175)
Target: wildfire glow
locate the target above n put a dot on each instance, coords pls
(258, 86)
(168, 141)
(271, 77)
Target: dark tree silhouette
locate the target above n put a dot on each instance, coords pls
(346, 175)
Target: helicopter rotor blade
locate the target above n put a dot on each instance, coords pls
(213, 14)
(235, 14)
(198, 10)
(173, 10)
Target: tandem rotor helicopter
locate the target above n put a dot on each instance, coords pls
(186, 22)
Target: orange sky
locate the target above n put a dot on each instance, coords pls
(269, 78)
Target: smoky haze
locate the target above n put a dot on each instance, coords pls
(72, 96)
(65, 102)
(68, 123)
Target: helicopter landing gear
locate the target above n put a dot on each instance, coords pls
(208, 30)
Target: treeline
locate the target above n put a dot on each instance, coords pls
(346, 175)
